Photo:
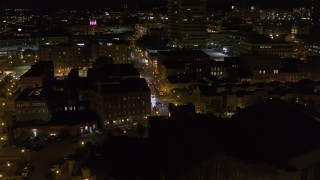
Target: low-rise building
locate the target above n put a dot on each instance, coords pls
(273, 45)
(183, 64)
(121, 103)
(39, 73)
(82, 55)
(118, 95)
(31, 105)
(66, 56)
(119, 51)
(61, 125)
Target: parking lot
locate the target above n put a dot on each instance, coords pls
(42, 159)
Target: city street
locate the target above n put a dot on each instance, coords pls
(146, 72)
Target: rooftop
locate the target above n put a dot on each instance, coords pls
(72, 118)
(214, 54)
(32, 94)
(263, 38)
(104, 70)
(125, 86)
(38, 69)
(184, 53)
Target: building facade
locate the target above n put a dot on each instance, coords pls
(31, 105)
(37, 75)
(259, 44)
(66, 57)
(81, 56)
(183, 64)
(118, 50)
(121, 103)
(314, 28)
(187, 23)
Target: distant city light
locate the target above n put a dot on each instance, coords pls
(93, 22)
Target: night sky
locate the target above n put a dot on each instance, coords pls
(213, 4)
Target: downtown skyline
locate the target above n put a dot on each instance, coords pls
(118, 4)
(160, 89)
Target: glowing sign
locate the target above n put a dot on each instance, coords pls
(93, 22)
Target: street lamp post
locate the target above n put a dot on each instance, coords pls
(56, 174)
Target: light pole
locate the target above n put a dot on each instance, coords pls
(57, 172)
(23, 151)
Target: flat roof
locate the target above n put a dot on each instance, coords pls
(16, 47)
(33, 72)
(183, 52)
(214, 54)
(32, 94)
(125, 86)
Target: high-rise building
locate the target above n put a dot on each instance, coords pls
(173, 28)
(315, 27)
(187, 23)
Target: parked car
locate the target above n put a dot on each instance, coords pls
(98, 131)
(54, 167)
(61, 160)
(35, 147)
(29, 165)
(25, 172)
(52, 137)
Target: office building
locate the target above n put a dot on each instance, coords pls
(187, 23)
(314, 28)
(182, 65)
(251, 43)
